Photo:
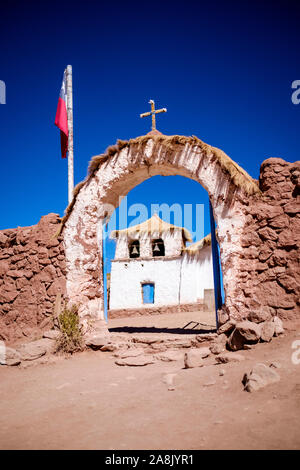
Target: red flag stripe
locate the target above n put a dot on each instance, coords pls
(61, 118)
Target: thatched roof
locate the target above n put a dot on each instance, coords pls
(197, 246)
(153, 225)
(238, 175)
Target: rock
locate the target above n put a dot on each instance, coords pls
(96, 342)
(203, 352)
(108, 347)
(51, 334)
(35, 349)
(3, 239)
(275, 295)
(13, 358)
(157, 348)
(194, 357)
(9, 356)
(217, 348)
(259, 316)
(146, 340)
(48, 274)
(58, 286)
(244, 332)
(181, 343)
(292, 207)
(276, 365)
(229, 357)
(223, 315)
(221, 372)
(279, 258)
(209, 384)
(227, 327)
(260, 377)
(8, 292)
(169, 380)
(14, 273)
(170, 355)
(267, 331)
(267, 233)
(135, 361)
(281, 221)
(221, 339)
(235, 341)
(4, 267)
(288, 282)
(287, 239)
(133, 352)
(248, 330)
(278, 326)
(202, 338)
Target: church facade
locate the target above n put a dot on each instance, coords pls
(153, 267)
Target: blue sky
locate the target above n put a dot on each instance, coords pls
(223, 69)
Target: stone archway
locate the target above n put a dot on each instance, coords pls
(128, 164)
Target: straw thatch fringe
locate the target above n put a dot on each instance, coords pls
(197, 246)
(238, 175)
(153, 225)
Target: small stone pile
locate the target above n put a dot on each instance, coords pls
(261, 327)
(31, 351)
(32, 273)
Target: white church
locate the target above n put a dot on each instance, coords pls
(153, 267)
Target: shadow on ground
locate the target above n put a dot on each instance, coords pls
(152, 329)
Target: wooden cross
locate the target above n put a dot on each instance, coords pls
(152, 113)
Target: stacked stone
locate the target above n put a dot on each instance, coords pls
(270, 259)
(32, 273)
(137, 312)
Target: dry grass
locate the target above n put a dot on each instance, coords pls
(70, 339)
(152, 225)
(238, 175)
(196, 247)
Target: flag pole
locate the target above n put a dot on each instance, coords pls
(70, 133)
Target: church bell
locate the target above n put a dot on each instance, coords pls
(134, 251)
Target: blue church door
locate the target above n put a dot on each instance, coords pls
(148, 293)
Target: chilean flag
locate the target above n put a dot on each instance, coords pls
(61, 118)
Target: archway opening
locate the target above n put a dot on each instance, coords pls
(180, 202)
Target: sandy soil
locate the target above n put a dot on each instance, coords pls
(88, 402)
(181, 323)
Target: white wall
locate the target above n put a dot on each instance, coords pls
(197, 275)
(127, 276)
(173, 244)
(180, 280)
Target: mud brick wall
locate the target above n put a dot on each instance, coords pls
(32, 272)
(261, 234)
(269, 277)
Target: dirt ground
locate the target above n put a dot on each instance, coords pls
(88, 402)
(167, 323)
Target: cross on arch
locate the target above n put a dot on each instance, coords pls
(152, 113)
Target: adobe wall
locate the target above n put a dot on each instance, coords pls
(113, 175)
(257, 225)
(269, 269)
(32, 272)
(259, 240)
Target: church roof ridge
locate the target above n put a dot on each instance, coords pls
(152, 225)
(197, 246)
